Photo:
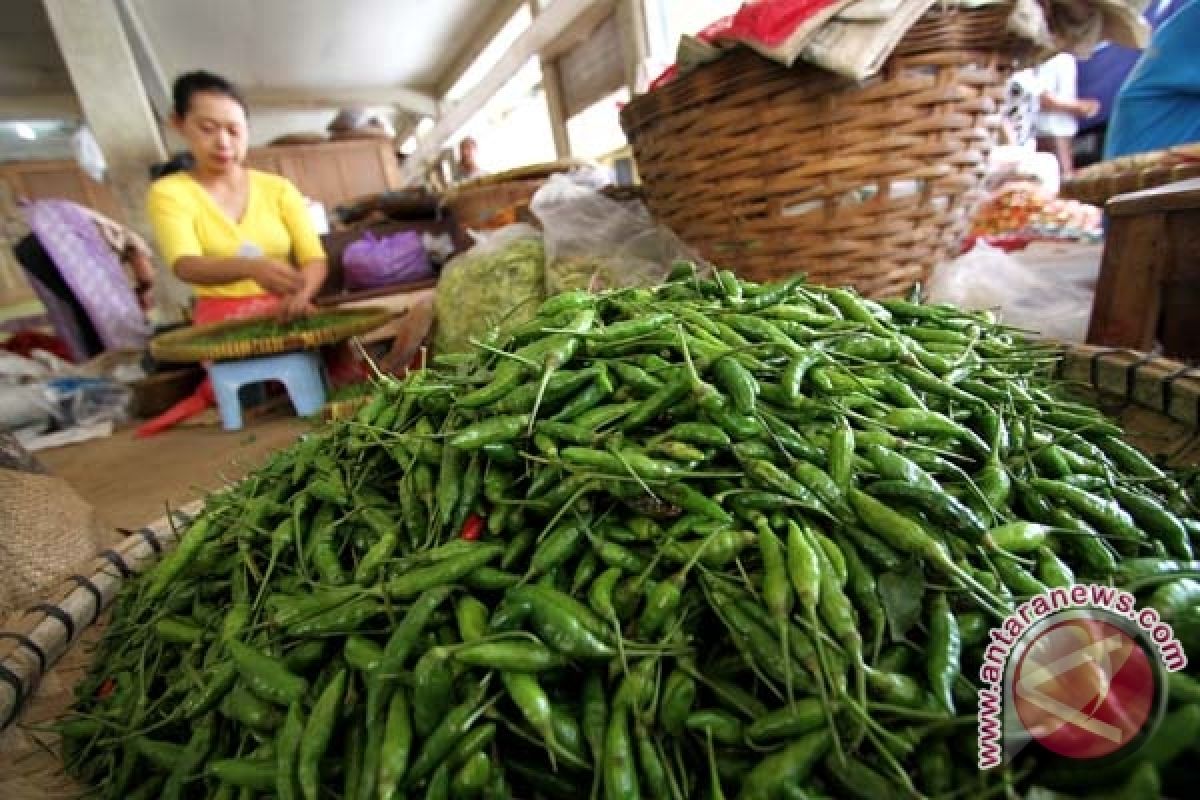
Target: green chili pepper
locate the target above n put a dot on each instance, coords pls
(945, 651)
(1160, 523)
(267, 677)
(514, 656)
(413, 582)
(806, 715)
(1106, 514)
(791, 765)
(318, 732)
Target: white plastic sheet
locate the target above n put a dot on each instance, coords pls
(1046, 289)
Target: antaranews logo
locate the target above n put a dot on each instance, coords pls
(1079, 670)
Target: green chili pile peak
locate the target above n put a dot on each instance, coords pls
(712, 538)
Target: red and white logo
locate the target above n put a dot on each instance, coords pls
(1079, 671)
(1083, 687)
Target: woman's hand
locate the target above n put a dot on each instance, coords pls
(295, 306)
(145, 296)
(277, 277)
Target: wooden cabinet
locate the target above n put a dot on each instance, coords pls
(42, 180)
(333, 173)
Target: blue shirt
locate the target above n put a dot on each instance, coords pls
(1159, 106)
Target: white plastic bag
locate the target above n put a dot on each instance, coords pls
(24, 408)
(594, 242)
(1043, 291)
(88, 153)
(81, 401)
(500, 281)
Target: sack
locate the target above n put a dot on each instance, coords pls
(594, 242)
(46, 530)
(1046, 292)
(372, 262)
(500, 281)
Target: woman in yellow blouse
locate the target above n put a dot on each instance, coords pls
(242, 238)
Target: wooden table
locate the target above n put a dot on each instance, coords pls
(1149, 286)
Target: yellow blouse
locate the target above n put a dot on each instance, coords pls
(188, 222)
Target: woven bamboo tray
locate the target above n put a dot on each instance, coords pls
(45, 652)
(780, 170)
(187, 344)
(1101, 182)
(494, 201)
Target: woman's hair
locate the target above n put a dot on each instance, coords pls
(190, 83)
(179, 162)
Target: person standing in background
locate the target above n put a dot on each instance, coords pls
(468, 167)
(1102, 76)
(1060, 109)
(1159, 105)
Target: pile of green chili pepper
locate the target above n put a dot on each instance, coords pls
(713, 539)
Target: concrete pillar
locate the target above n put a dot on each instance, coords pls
(105, 76)
(106, 80)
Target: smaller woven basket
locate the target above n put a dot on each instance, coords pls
(1101, 182)
(196, 343)
(494, 201)
(782, 170)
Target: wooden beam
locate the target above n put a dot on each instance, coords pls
(401, 97)
(556, 105)
(39, 106)
(548, 27)
(153, 77)
(635, 41)
(495, 20)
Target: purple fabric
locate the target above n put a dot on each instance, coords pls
(91, 269)
(372, 262)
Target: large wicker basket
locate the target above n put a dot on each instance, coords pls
(46, 651)
(784, 170)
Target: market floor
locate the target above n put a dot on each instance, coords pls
(131, 482)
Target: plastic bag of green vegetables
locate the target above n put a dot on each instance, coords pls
(497, 282)
(594, 242)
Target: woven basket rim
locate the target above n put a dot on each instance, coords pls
(180, 345)
(531, 172)
(671, 98)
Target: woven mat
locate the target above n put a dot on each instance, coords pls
(30, 765)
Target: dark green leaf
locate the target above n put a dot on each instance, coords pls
(901, 594)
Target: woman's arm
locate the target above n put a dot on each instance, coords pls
(1085, 107)
(307, 251)
(274, 276)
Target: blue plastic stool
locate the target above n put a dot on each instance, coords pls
(300, 373)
